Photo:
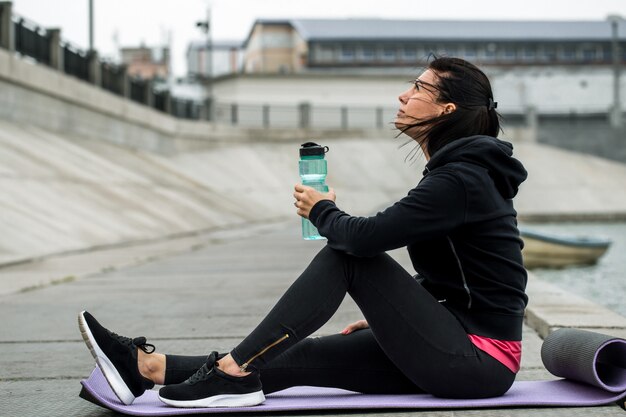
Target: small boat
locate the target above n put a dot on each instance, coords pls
(543, 250)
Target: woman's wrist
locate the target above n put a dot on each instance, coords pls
(317, 208)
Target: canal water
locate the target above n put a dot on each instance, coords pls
(603, 283)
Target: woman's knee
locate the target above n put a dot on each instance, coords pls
(329, 258)
(328, 252)
(348, 267)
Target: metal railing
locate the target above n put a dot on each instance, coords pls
(139, 90)
(303, 115)
(31, 40)
(75, 61)
(112, 77)
(161, 100)
(45, 46)
(186, 109)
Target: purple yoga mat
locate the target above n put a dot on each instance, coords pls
(523, 393)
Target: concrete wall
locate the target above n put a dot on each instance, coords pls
(566, 185)
(337, 90)
(61, 192)
(588, 134)
(554, 89)
(547, 89)
(37, 95)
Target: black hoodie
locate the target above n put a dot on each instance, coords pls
(460, 229)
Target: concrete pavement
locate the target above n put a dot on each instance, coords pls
(192, 300)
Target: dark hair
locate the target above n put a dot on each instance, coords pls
(462, 83)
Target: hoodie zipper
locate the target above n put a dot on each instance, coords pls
(458, 261)
(243, 367)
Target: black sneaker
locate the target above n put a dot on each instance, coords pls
(210, 387)
(117, 358)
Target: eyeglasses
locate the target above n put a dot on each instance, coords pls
(426, 86)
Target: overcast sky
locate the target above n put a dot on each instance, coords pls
(131, 22)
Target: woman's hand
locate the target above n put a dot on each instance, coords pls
(307, 197)
(357, 325)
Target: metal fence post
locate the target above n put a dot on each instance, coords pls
(305, 114)
(149, 93)
(379, 117)
(124, 81)
(95, 72)
(344, 117)
(616, 108)
(56, 50)
(266, 115)
(7, 31)
(532, 122)
(209, 109)
(234, 116)
(167, 97)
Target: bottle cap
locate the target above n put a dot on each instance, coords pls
(312, 149)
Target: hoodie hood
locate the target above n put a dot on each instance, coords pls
(495, 155)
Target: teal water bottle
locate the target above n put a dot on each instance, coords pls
(313, 171)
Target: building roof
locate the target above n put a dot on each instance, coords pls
(219, 44)
(453, 30)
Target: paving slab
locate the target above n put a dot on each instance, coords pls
(551, 307)
(35, 273)
(189, 302)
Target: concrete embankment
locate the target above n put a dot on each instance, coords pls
(60, 192)
(566, 185)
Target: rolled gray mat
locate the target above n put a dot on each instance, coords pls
(594, 358)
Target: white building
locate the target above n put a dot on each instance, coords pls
(350, 71)
(226, 58)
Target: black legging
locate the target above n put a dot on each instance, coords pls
(414, 344)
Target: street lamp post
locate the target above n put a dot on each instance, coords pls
(205, 26)
(616, 110)
(90, 25)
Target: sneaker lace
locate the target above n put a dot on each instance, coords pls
(138, 342)
(205, 370)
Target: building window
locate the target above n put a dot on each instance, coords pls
(367, 53)
(322, 53)
(568, 53)
(389, 53)
(409, 53)
(589, 54)
(528, 53)
(430, 50)
(509, 53)
(490, 51)
(347, 53)
(548, 54)
(470, 53)
(450, 51)
(277, 39)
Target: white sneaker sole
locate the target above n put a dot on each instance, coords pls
(113, 377)
(224, 400)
